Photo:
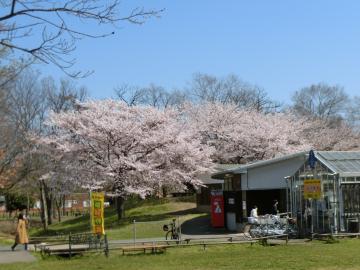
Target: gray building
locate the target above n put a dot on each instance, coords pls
(323, 196)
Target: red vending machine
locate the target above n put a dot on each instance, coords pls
(217, 209)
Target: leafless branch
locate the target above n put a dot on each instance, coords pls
(56, 25)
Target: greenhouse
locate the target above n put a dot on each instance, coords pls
(324, 194)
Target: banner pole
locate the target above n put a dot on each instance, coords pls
(90, 213)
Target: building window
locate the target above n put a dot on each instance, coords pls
(86, 204)
(68, 203)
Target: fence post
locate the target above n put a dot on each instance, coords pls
(134, 231)
(106, 246)
(70, 245)
(179, 225)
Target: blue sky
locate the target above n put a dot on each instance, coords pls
(281, 46)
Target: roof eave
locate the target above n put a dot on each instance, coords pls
(244, 168)
(221, 175)
(349, 174)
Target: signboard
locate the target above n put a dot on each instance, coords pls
(97, 212)
(312, 189)
(244, 205)
(217, 209)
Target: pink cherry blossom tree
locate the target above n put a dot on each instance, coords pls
(241, 136)
(108, 145)
(128, 150)
(325, 136)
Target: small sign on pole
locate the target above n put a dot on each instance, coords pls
(312, 189)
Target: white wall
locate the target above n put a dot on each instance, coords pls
(270, 176)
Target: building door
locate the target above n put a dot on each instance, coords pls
(264, 199)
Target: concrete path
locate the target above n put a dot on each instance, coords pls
(19, 255)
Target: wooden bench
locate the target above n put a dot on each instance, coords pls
(153, 248)
(228, 238)
(215, 243)
(59, 249)
(264, 240)
(332, 236)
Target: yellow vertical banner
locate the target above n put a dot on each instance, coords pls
(97, 212)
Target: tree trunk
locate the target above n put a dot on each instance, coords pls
(63, 205)
(164, 192)
(58, 204)
(27, 204)
(120, 207)
(44, 211)
(59, 212)
(49, 204)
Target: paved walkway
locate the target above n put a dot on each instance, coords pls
(19, 255)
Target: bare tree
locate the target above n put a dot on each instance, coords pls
(230, 89)
(320, 101)
(58, 98)
(353, 113)
(174, 98)
(47, 30)
(203, 88)
(131, 95)
(62, 97)
(153, 95)
(22, 110)
(27, 101)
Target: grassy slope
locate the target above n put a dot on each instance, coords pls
(158, 212)
(6, 239)
(343, 255)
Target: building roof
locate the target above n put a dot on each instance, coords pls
(207, 179)
(240, 169)
(345, 163)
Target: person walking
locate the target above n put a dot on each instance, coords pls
(21, 233)
(275, 209)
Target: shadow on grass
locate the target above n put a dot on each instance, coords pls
(163, 216)
(201, 226)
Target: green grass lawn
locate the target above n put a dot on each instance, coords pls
(150, 216)
(316, 255)
(5, 239)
